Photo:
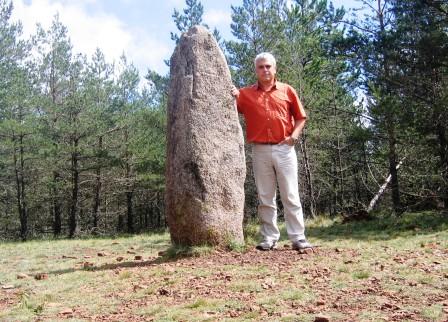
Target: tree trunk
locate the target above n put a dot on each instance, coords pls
(57, 207)
(57, 224)
(392, 155)
(97, 192)
(443, 151)
(383, 187)
(340, 175)
(393, 171)
(357, 190)
(334, 199)
(147, 210)
(339, 171)
(20, 189)
(308, 178)
(130, 213)
(159, 219)
(75, 190)
(24, 217)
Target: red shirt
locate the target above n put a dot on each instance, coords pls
(269, 115)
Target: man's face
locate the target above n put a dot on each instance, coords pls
(265, 70)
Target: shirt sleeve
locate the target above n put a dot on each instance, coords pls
(297, 110)
(240, 102)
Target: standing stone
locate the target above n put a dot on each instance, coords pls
(205, 167)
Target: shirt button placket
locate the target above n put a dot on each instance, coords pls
(266, 108)
(270, 137)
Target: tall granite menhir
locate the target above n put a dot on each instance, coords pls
(205, 167)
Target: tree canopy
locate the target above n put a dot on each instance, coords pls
(82, 141)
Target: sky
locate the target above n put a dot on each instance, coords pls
(138, 28)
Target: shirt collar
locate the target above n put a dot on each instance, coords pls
(257, 85)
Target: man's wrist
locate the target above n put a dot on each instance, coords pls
(294, 139)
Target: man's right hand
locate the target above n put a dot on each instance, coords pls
(235, 92)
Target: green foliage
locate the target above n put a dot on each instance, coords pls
(179, 251)
(191, 15)
(382, 226)
(235, 246)
(82, 142)
(198, 304)
(420, 31)
(78, 137)
(308, 42)
(258, 26)
(251, 231)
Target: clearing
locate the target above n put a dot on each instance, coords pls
(386, 269)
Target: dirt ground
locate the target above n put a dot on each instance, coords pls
(396, 279)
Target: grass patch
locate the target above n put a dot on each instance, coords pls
(176, 252)
(293, 295)
(357, 266)
(235, 246)
(359, 275)
(433, 313)
(197, 304)
(125, 275)
(246, 286)
(251, 231)
(206, 305)
(383, 226)
(151, 311)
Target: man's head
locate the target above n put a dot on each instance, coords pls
(265, 67)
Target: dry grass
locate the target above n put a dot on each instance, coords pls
(395, 269)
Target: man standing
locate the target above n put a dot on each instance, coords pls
(274, 120)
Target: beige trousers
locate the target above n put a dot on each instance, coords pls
(274, 164)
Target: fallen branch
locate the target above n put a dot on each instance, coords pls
(382, 189)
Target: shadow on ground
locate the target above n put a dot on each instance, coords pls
(172, 254)
(380, 227)
(112, 266)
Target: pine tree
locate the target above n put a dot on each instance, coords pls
(309, 46)
(423, 82)
(127, 104)
(191, 16)
(375, 50)
(99, 90)
(53, 78)
(16, 116)
(257, 25)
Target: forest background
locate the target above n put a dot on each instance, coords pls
(82, 141)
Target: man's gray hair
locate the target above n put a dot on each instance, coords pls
(265, 56)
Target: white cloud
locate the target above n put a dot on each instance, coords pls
(214, 17)
(146, 52)
(89, 30)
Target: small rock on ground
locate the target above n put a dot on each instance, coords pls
(321, 318)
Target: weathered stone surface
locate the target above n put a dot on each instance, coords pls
(205, 169)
